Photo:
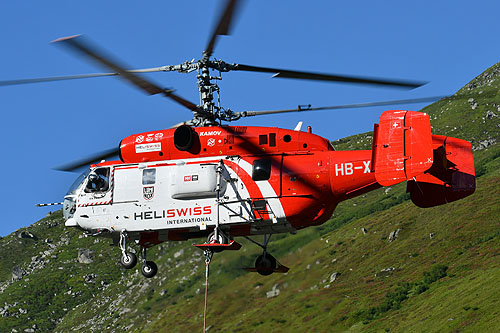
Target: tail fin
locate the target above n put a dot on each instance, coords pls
(438, 169)
(451, 176)
(402, 146)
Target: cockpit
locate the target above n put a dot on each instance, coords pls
(73, 189)
(69, 205)
(91, 181)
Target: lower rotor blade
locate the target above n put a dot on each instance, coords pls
(301, 108)
(103, 155)
(284, 73)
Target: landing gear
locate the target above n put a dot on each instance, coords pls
(217, 237)
(220, 238)
(266, 264)
(128, 259)
(149, 268)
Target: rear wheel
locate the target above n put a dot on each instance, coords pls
(149, 269)
(129, 260)
(265, 264)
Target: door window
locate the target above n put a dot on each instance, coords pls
(148, 176)
(261, 169)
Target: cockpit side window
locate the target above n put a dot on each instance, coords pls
(98, 180)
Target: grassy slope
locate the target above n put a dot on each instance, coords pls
(462, 242)
(466, 239)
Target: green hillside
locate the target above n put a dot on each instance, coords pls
(438, 275)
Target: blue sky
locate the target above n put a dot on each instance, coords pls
(44, 125)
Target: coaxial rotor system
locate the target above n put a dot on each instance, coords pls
(209, 112)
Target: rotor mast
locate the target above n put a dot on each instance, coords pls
(207, 86)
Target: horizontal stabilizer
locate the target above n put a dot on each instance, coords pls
(402, 146)
(451, 177)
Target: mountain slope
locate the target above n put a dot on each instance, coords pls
(379, 285)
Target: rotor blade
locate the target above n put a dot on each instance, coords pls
(53, 78)
(224, 25)
(103, 155)
(78, 43)
(301, 108)
(73, 77)
(284, 73)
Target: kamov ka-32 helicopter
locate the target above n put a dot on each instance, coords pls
(202, 178)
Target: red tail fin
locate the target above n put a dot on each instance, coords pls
(402, 146)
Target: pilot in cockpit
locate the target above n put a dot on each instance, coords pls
(98, 180)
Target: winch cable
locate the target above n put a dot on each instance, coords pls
(208, 258)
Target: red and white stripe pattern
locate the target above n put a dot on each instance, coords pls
(95, 203)
(111, 184)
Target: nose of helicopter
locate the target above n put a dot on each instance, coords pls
(71, 222)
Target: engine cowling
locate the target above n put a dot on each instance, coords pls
(145, 147)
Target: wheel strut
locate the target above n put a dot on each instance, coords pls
(128, 259)
(263, 246)
(123, 242)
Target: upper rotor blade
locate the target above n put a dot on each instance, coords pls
(53, 78)
(223, 26)
(103, 155)
(77, 43)
(301, 108)
(284, 73)
(73, 77)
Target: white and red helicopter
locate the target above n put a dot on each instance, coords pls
(202, 178)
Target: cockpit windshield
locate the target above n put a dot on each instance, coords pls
(78, 182)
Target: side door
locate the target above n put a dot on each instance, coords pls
(126, 192)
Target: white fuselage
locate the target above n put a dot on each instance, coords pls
(176, 194)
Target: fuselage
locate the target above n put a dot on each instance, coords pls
(272, 180)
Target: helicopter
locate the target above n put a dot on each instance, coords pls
(205, 178)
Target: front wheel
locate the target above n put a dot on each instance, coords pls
(129, 260)
(149, 269)
(220, 239)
